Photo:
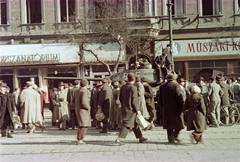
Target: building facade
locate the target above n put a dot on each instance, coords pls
(36, 37)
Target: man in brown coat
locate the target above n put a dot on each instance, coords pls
(171, 103)
(104, 103)
(82, 110)
(130, 108)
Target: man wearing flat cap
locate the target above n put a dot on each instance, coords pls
(171, 104)
(71, 103)
(104, 103)
(227, 94)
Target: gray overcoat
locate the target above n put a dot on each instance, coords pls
(130, 105)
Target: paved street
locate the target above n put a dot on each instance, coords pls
(221, 144)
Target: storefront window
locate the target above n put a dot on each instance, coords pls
(29, 71)
(221, 63)
(194, 64)
(207, 64)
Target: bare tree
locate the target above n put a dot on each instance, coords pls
(107, 21)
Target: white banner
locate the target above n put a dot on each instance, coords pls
(201, 47)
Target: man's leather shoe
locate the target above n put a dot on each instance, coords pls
(119, 142)
(9, 135)
(213, 125)
(142, 139)
(102, 131)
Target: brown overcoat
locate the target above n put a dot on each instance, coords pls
(82, 107)
(196, 113)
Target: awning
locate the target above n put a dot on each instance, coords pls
(72, 78)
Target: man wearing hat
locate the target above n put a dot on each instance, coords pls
(171, 104)
(227, 94)
(104, 103)
(163, 65)
(215, 93)
(71, 103)
(31, 108)
(60, 110)
(130, 108)
(6, 112)
(83, 110)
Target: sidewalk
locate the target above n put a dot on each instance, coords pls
(221, 144)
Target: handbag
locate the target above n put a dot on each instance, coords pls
(99, 115)
(145, 125)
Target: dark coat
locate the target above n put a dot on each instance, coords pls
(129, 102)
(82, 107)
(227, 93)
(70, 97)
(6, 109)
(149, 96)
(196, 113)
(105, 99)
(171, 103)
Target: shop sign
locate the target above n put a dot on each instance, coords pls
(201, 47)
(29, 59)
(22, 54)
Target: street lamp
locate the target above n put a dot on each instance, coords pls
(169, 5)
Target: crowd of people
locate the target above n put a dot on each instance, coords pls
(73, 105)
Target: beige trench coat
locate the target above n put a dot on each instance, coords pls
(31, 106)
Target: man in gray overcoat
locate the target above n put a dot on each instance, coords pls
(130, 108)
(171, 103)
(104, 103)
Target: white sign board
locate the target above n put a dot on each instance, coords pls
(201, 47)
(105, 52)
(38, 54)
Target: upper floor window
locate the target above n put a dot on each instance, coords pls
(109, 8)
(137, 7)
(34, 11)
(3, 13)
(67, 10)
(178, 7)
(237, 6)
(211, 7)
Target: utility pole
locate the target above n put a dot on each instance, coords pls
(169, 5)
